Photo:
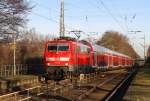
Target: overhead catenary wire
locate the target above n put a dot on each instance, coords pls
(45, 7)
(44, 17)
(124, 17)
(91, 3)
(94, 5)
(52, 20)
(54, 10)
(71, 16)
(111, 14)
(80, 17)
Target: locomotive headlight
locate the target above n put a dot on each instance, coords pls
(50, 59)
(64, 58)
(48, 64)
(66, 64)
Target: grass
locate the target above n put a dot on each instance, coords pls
(143, 77)
(140, 87)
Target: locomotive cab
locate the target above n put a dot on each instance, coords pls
(57, 55)
(58, 58)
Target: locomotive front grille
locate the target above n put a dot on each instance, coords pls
(52, 68)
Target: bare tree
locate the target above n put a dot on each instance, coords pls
(30, 45)
(12, 17)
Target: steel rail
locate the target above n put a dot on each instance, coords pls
(94, 88)
(118, 92)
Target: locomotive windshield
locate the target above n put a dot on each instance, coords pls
(58, 47)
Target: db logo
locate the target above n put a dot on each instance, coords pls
(57, 59)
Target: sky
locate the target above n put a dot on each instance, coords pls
(96, 16)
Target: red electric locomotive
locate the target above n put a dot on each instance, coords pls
(67, 56)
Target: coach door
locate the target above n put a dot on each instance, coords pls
(95, 58)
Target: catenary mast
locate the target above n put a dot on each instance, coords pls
(62, 27)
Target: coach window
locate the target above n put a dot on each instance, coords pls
(83, 49)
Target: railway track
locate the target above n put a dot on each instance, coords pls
(119, 91)
(86, 89)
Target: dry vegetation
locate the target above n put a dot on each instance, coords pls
(148, 55)
(31, 45)
(148, 52)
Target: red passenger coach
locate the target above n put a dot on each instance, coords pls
(106, 58)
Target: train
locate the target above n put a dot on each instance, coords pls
(74, 56)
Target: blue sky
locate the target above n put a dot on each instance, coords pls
(92, 16)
